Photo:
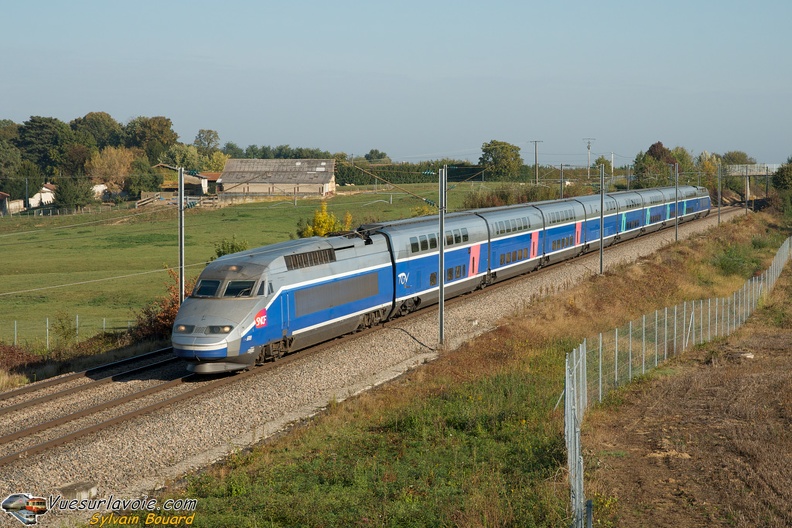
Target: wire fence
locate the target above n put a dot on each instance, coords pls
(609, 361)
(49, 331)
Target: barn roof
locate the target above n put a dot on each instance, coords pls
(308, 171)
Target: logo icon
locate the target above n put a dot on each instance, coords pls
(403, 278)
(261, 318)
(24, 507)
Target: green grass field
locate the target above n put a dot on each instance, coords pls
(96, 271)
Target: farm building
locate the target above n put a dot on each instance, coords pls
(277, 177)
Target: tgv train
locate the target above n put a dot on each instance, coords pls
(259, 304)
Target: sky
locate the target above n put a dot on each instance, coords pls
(418, 80)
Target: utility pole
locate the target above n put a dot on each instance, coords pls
(441, 256)
(562, 181)
(536, 159)
(588, 167)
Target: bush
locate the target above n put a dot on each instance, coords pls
(155, 321)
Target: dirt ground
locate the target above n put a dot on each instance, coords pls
(705, 442)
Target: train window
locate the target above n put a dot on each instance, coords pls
(501, 228)
(262, 288)
(457, 236)
(449, 238)
(449, 274)
(433, 279)
(526, 223)
(432, 242)
(508, 258)
(206, 288)
(458, 272)
(239, 288)
(424, 243)
(464, 235)
(513, 225)
(464, 270)
(520, 255)
(502, 259)
(414, 244)
(514, 256)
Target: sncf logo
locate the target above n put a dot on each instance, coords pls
(261, 318)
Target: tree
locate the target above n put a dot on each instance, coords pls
(101, 127)
(26, 181)
(142, 178)
(43, 140)
(181, 155)
(375, 156)
(216, 162)
(74, 192)
(782, 178)
(602, 160)
(111, 167)
(501, 160)
(233, 150)
(9, 130)
(323, 223)
(737, 157)
(154, 135)
(207, 142)
(10, 160)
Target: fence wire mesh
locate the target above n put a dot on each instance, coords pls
(611, 360)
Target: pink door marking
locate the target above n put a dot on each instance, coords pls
(475, 253)
(534, 244)
(578, 228)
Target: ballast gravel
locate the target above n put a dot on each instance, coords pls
(135, 458)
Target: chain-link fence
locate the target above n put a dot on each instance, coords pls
(611, 360)
(46, 332)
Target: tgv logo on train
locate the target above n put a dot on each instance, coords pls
(403, 278)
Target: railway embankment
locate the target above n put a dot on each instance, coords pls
(144, 454)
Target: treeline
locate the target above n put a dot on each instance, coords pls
(97, 149)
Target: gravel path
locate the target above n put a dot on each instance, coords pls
(134, 458)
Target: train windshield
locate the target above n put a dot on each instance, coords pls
(239, 288)
(206, 288)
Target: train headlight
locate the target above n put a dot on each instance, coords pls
(224, 329)
(184, 329)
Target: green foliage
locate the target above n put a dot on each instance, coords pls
(74, 193)
(782, 178)
(103, 130)
(323, 223)
(226, 247)
(737, 259)
(142, 178)
(508, 195)
(43, 141)
(501, 160)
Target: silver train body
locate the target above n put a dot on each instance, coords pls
(259, 304)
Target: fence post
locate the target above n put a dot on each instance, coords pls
(643, 345)
(600, 367)
(629, 353)
(616, 360)
(665, 339)
(675, 330)
(656, 331)
(709, 319)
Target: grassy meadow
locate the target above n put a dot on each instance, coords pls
(96, 271)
